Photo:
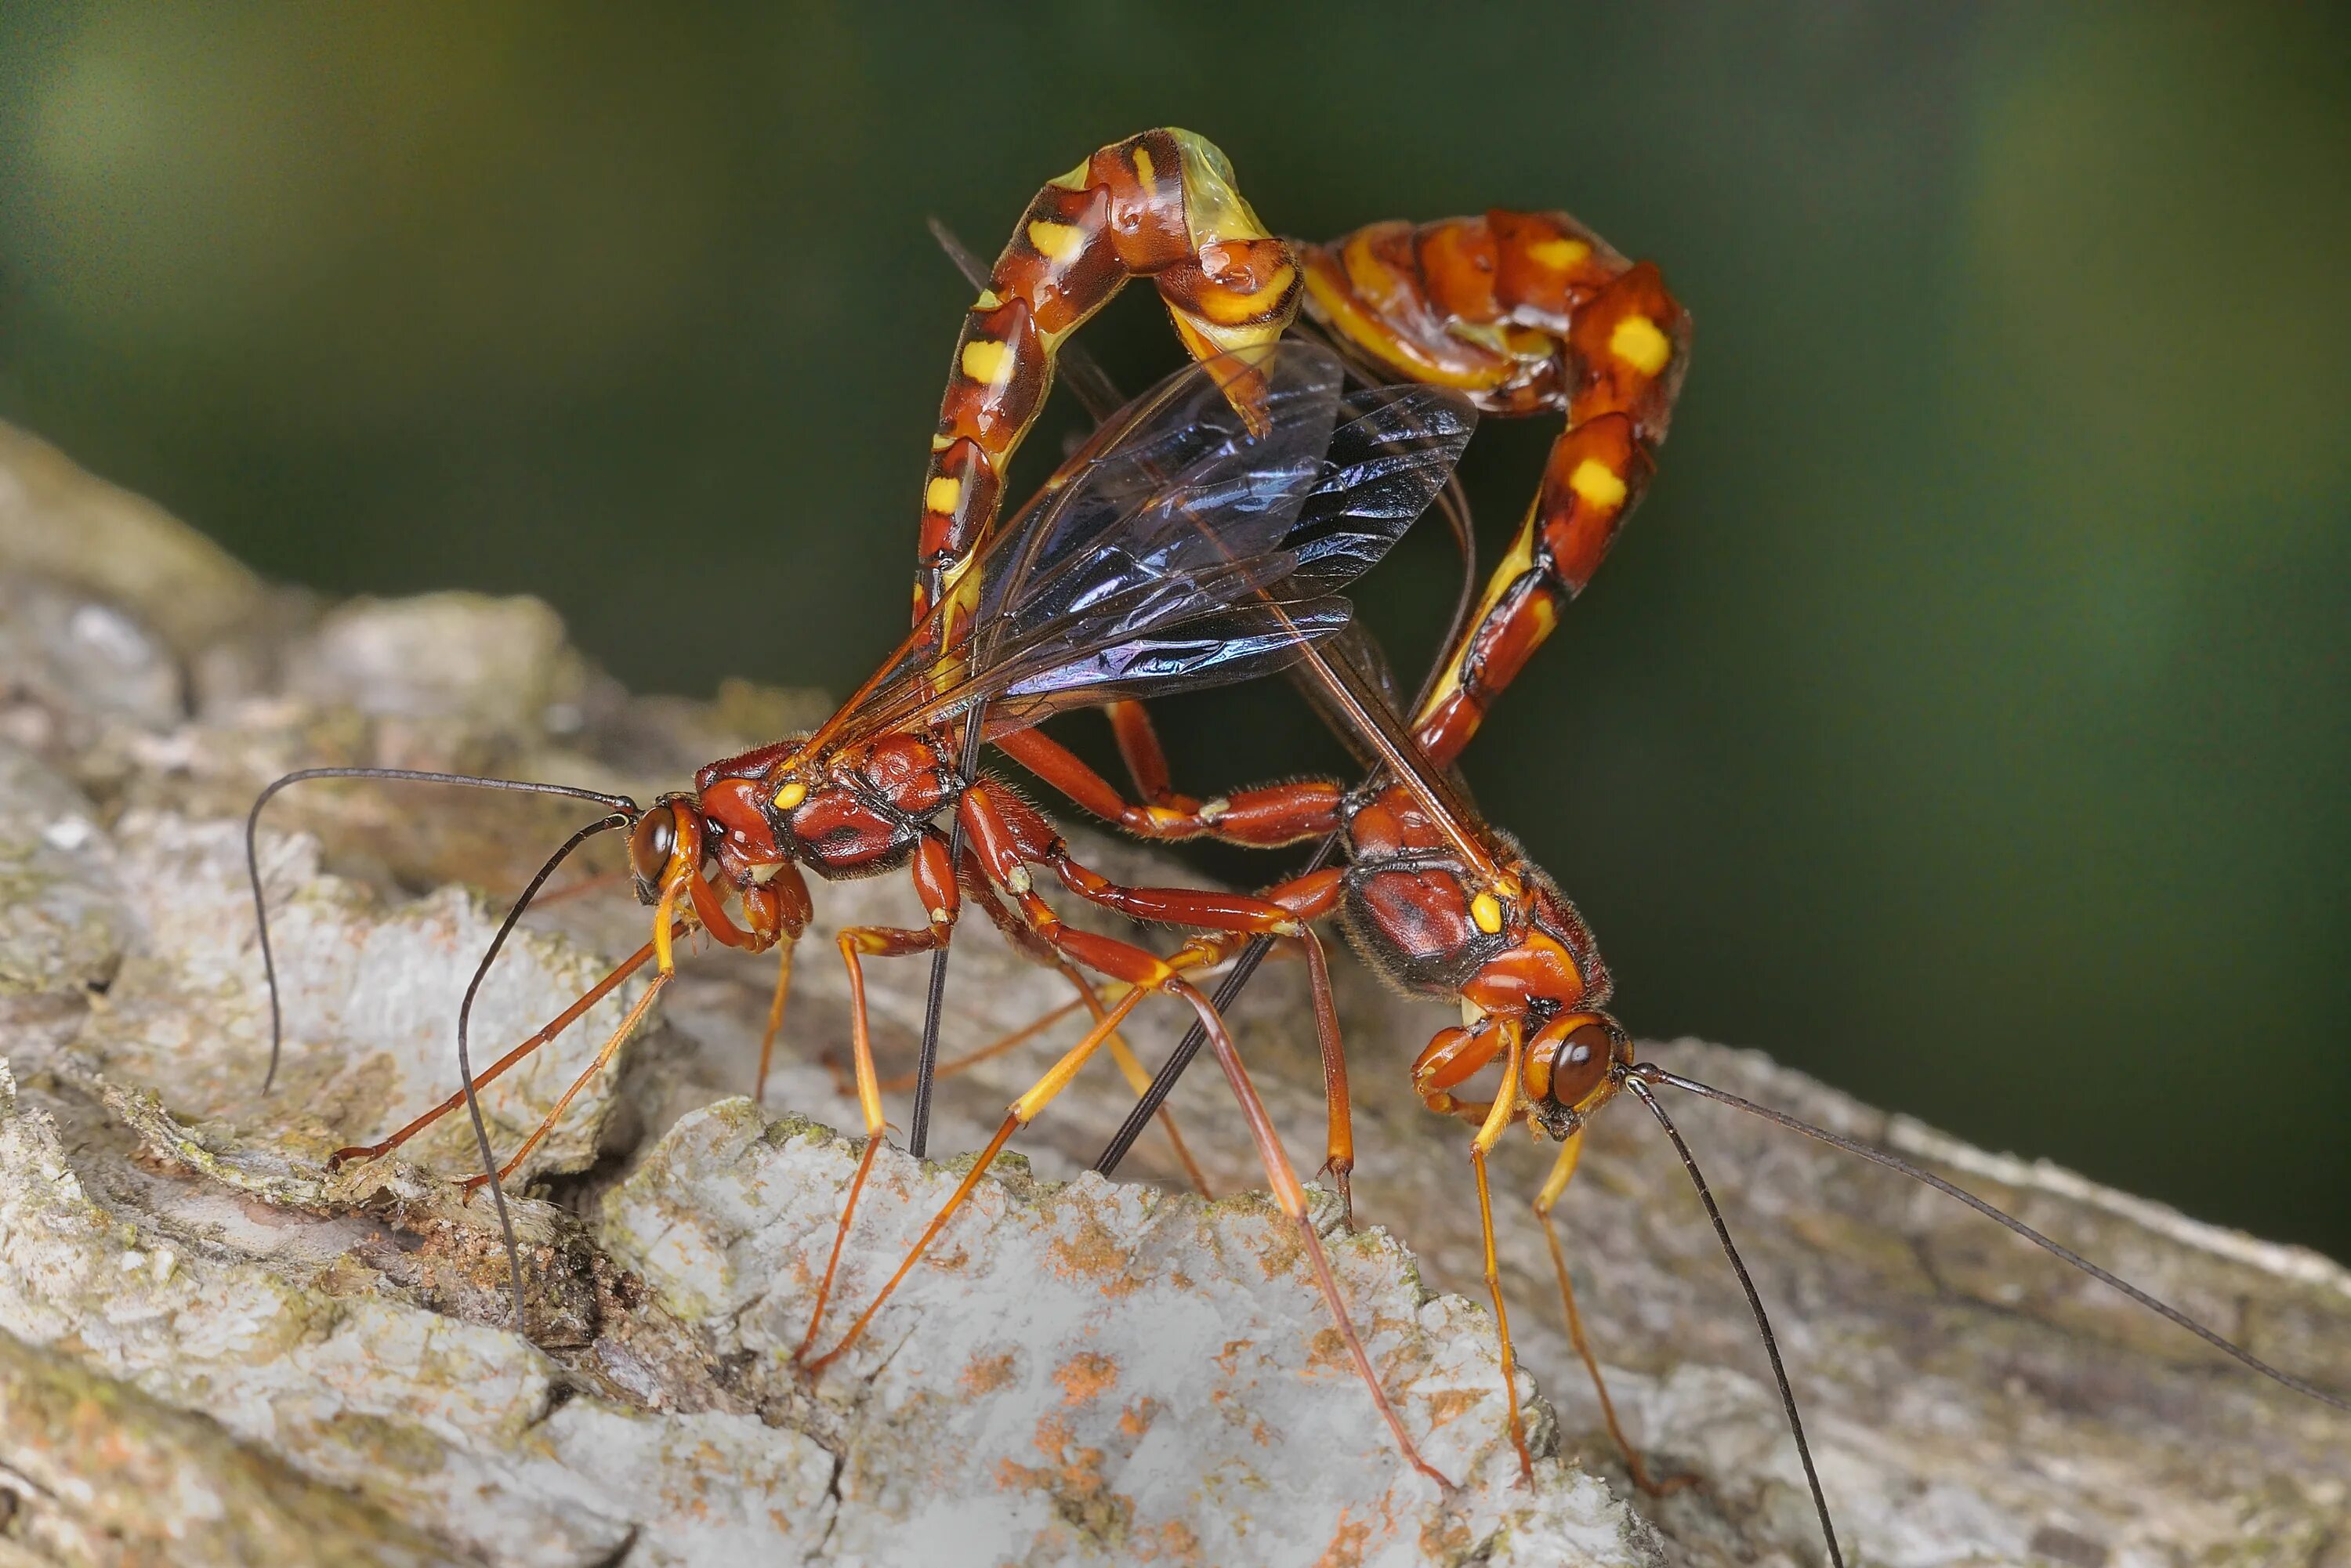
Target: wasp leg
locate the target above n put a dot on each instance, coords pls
(775, 1022)
(555, 1027)
(603, 1060)
(1145, 972)
(1264, 818)
(934, 882)
(1545, 1201)
(1497, 1122)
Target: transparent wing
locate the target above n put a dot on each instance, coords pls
(1178, 550)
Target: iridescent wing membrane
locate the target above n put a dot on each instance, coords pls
(1178, 550)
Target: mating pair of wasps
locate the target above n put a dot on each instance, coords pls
(1202, 535)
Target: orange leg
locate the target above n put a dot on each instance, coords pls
(1341, 1146)
(556, 1026)
(1497, 1122)
(1138, 1077)
(1265, 818)
(1139, 749)
(1562, 1169)
(1143, 972)
(1057, 1078)
(878, 942)
(681, 882)
(603, 1060)
(989, 1052)
(934, 883)
(775, 1021)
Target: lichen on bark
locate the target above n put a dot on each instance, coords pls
(214, 1349)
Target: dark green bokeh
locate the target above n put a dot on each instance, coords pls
(1963, 719)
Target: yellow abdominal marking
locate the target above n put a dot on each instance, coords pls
(790, 796)
(1559, 255)
(942, 493)
(1144, 171)
(1487, 911)
(1592, 481)
(989, 362)
(1059, 243)
(1639, 342)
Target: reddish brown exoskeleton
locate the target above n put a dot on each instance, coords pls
(1187, 545)
(1525, 313)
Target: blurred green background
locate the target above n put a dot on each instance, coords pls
(1964, 719)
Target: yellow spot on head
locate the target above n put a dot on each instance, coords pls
(1487, 911)
(941, 443)
(989, 362)
(1059, 243)
(942, 493)
(1592, 481)
(1640, 344)
(1559, 255)
(988, 300)
(791, 795)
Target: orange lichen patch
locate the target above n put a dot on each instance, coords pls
(1283, 1253)
(1173, 1542)
(1094, 1253)
(1086, 1375)
(1328, 1350)
(1136, 1418)
(1445, 1536)
(1072, 1475)
(1347, 1543)
(986, 1374)
(1452, 1404)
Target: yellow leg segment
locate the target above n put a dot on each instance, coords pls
(1554, 1186)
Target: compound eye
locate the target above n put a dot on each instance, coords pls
(651, 841)
(1580, 1063)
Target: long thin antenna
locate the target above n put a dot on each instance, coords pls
(253, 854)
(465, 1058)
(2170, 1313)
(1755, 1305)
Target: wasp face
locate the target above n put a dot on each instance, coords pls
(654, 842)
(1574, 1065)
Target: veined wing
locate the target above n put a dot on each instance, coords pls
(1178, 551)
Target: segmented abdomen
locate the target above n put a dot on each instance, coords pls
(1160, 205)
(1525, 313)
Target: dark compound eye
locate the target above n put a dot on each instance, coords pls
(1581, 1062)
(649, 844)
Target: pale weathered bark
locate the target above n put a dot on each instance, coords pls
(212, 1350)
